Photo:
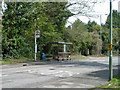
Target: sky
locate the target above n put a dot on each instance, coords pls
(102, 9)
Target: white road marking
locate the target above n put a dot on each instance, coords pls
(0, 75)
(86, 85)
(5, 75)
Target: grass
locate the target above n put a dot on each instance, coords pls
(78, 56)
(14, 61)
(112, 85)
(26, 60)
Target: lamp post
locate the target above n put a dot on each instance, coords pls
(110, 51)
(101, 31)
(100, 36)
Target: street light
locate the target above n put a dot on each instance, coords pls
(101, 31)
(110, 51)
(100, 35)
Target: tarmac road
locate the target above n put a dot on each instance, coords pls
(82, 73)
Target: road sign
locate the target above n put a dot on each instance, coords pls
(109, 46)
(37, 34)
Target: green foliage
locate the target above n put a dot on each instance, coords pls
(105, 40)
(57, 13)
(115, 32)
(21, 20)
(91, 26)
(15, 25)
(102, 39)
(115, 20)
(83, 41)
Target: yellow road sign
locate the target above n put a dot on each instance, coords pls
(109, 46)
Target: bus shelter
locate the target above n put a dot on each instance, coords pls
(60, 51)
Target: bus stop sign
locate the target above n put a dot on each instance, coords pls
(37, 34)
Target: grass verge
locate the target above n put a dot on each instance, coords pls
(111, 85)
(14, 61)
(78, 56)
(26, 60)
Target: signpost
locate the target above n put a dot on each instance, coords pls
(37, 35)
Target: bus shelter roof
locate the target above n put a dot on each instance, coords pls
(60, 43)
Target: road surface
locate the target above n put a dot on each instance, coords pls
(81, 73)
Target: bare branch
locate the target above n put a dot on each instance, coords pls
(82, 7)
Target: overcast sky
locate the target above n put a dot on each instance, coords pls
(103, 8)
(100, 9)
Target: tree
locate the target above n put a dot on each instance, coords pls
(116, 28)
(58, 14)
(19, 24)
(80, 37)
(16, 27)
(22, 19)
(82, 7)
(115, 19)
(92, 26)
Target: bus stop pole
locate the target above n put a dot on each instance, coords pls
(35, 46)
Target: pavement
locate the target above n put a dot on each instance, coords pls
(80, 73)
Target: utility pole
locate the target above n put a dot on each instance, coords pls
(110, 51)
(100, 37)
